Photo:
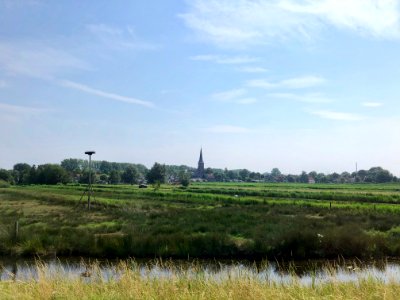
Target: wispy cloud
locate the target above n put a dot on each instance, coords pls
(17, 109)
(246, 101)
(252, 69)
(229, 95)
(3, 84)
(308, 98)
(338, 116)
(227, 129)
(240, 23)
(228, 60)
(291, 83)
(119, 38)
(116, 97)
(35, 60)
(372, 104)
(234, 96)
(10, 113)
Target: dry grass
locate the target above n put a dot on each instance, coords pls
(130, 283)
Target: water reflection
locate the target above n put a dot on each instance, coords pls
(303, 273)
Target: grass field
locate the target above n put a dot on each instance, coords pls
(209, 220)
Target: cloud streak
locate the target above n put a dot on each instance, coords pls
(337, 116)
(240, 23)
(252, 69)
(227, 60)
(116, 97)
(35, 60)
(17, 109)
(372, 104)
(291, 83)
(11, 114)
(307, 98)
(119, 38)
(234, 96)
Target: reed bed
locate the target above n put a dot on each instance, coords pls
(129, 281)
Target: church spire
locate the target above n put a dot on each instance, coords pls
(201, 156)
(200, 166)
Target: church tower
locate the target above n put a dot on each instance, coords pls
(200, 166)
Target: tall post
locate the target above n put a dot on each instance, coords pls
(90, 181)
(90, 189)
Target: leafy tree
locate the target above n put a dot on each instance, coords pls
(244, 174)
(291, 178)
(157, 174)
(21, 173)
(84, 178)
(276, 172)
(219, 176)
(184, 178)
(51, 174)
(303, 178)
(321, 178)
(103, 177)
(379, 175)
(32, 176)
(6, 176)
(232, 175)
(130, 175)
(71, 165)
(114, 177)
(105, 167)
(313, 174)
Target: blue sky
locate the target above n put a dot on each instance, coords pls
(298, 85)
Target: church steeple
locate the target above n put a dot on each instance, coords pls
(200, 166)
(201, 156)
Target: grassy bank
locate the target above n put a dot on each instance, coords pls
(209, 220)
(133, 284)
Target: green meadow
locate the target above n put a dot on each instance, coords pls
(205, 220)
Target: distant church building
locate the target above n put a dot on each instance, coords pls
(200, 166)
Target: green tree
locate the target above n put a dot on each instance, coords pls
(105, 167)
(6, 176)
(184, 178)
(114, 177)
(232, 175)
(303, 178)
(130, 175)
(157, 174)
(84, 178)
(51, 174)
(103, 177)
(32, 176)
(219, 176)
(71, 165)
(21, 173)
(244, 174)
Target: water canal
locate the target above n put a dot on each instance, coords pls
(304, 273)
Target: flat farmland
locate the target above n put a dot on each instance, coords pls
(205, 220)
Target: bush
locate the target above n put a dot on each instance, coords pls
(4, 184)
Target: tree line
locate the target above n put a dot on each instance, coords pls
(76, 171)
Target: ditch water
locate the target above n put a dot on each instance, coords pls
(304, 273)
